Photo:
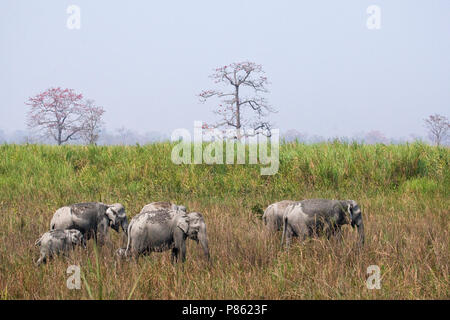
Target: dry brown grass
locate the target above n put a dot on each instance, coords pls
(408, 239)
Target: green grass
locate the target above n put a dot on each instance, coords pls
(403, 191)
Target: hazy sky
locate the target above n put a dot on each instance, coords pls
(145, 61)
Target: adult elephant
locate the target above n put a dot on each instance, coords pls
(317, 216)
(273, 215)
(165, 229)
(91, 218)
(162, 205)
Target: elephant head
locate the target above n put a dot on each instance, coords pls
(117, 217)
(195, 228)
(75, 237)
(355, 218)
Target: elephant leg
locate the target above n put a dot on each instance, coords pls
(272, 225)
(297, 230)
(174, 255)
(330, 231)
(180, 244)
(338, 234)
(289, 235)
(139, 246)
(182, 252)
(101, 233)
(93, 234)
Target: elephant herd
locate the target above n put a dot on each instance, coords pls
(162, 226)
(159, 226)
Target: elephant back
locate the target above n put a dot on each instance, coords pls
(159, 216)
(80, 209)
(314, 207)
(159, 205)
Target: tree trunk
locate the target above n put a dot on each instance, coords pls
(59, 137)
(238, 114)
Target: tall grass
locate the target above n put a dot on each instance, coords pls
(403, 191)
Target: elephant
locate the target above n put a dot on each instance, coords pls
(91, 218)
(273, 215)
(316, 216)
(161, 205)
(58, 241)
(165, 229)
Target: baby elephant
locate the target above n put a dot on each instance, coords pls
(58, 241)
(316, 216)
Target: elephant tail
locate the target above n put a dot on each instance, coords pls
(128, 238)
(283, 236)
(267, 212)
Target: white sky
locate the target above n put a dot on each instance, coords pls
(145, 61)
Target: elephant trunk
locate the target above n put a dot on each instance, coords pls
(125, 226)
(360, 227)
(358, 222)
(203, 240)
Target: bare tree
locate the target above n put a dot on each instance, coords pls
(92, 122)
(438, 128)
(241, 106)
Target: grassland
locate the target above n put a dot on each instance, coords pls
(403, 191)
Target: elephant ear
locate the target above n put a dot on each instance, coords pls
(350, 209)
(183, 223)
(111, 214)
(119, 210)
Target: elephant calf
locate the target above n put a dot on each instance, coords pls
(273, 215)
(58, 241)
(316, 216)
(165, 229)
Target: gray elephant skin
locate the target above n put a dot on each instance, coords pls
(162, 205)
(58, 241)
(166, 229)
(91, 218)
(312, 217)
(273, 215)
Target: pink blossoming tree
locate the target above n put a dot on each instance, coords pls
(63, 115)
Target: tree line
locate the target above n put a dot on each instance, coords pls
(63, 115)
